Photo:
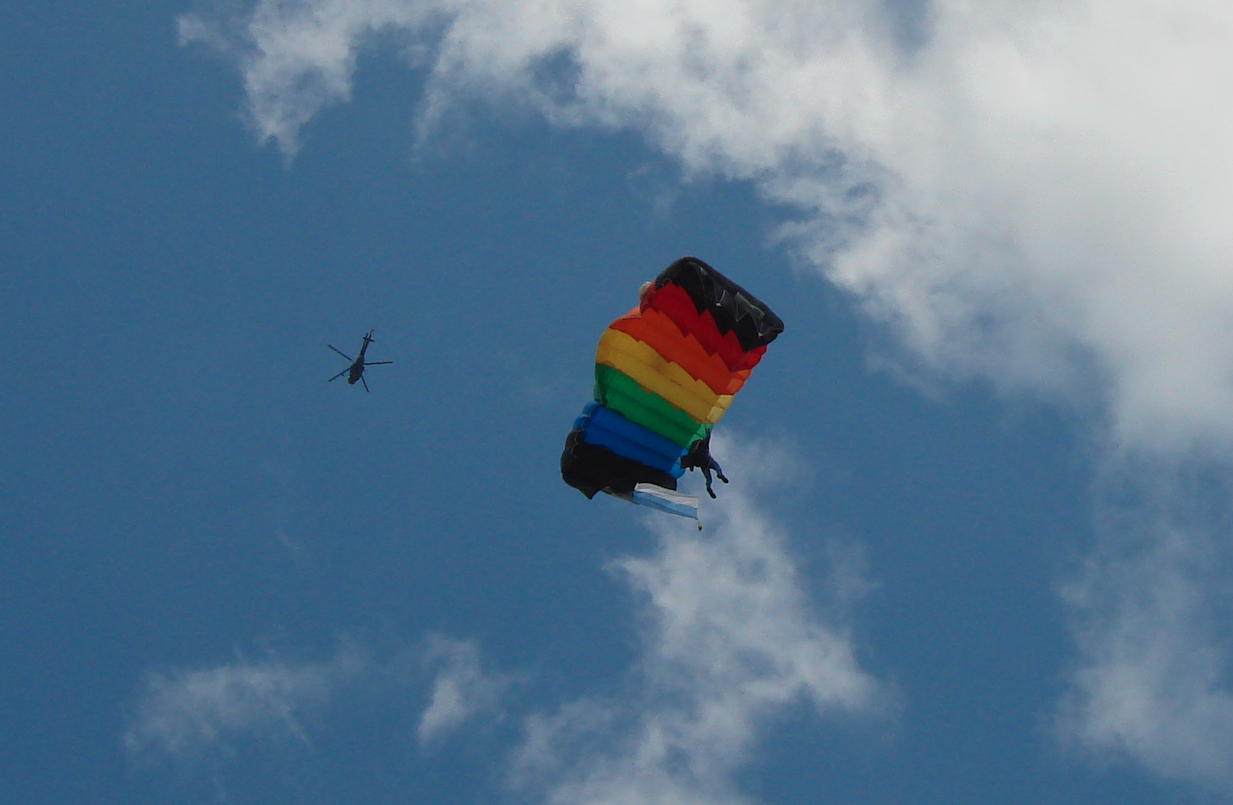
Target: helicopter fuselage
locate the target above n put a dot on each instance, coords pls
(355, 372)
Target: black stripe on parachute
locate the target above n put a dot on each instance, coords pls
(732, 307)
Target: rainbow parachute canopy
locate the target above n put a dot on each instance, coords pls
(664, 374)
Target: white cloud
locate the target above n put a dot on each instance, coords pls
(730, 642)
(1151, 615)
(184, 712)
(187, 712)
(461, 692)
(1153, 686)
(1037, 193)
(297, 58)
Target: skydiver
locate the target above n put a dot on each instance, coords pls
(699, 457)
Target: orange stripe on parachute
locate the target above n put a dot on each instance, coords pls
(662, 334)
(675, 303)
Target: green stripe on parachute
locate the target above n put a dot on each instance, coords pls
(621, 393)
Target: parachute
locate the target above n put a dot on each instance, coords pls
(664, 375)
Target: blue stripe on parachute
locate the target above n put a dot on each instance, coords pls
(604, 427)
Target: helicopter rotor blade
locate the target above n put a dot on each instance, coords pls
(340, 374)
(376, 363)
(365, 382)
(339, 351)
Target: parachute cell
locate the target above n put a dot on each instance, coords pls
(664, 375)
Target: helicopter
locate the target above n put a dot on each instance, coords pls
(355, 371)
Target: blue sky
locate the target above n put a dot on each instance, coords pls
(976, 544)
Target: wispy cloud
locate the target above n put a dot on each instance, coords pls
(731, 641)
(462, 690)
(184, 712)
(1151, 612)
(1035, 193)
